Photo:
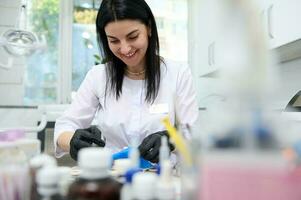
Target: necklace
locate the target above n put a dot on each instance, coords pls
(135, 73)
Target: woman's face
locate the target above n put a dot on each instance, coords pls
(128, 40)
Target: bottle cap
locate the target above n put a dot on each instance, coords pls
(42, 160)
(94, 157)
(144, 185)
(94, 162)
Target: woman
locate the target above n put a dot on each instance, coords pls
(132, 92)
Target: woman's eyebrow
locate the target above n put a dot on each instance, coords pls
(130, 33)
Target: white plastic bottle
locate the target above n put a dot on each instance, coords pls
(134, 154)
(164, 150)
(126, 190)
(35, 164)
(65, 180)
(144, 186)
(165, 188)
(47, 180)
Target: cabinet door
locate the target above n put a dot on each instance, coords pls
(210, 15)
(226, 44)
(207, 60)
(284, 22)
(266, 13)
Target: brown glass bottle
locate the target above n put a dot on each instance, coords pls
(95, 182)
(98, 189)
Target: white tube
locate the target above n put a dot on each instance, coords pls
(164, 150)
(22, 18)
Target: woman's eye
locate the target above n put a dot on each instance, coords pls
(133, 37)
(113, 41)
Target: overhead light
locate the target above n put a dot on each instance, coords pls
(18, 41)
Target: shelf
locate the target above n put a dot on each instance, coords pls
(288, 52)
(212, 73)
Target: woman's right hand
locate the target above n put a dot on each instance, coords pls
(83, 138)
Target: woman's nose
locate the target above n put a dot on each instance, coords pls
(125, 48)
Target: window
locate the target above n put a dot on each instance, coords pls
(172, 21)
(42, 68)
(85, 50)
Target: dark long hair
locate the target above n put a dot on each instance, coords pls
(112, 10)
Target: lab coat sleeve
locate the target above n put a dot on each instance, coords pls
(82, 110)
(186, 101)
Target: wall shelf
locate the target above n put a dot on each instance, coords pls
(288, 52)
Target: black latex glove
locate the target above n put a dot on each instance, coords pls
(83, 138)
(150, 146)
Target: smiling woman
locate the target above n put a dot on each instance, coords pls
(131, 92)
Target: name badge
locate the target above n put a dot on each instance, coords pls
(159, 108)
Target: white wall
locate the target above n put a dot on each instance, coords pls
(11, 81)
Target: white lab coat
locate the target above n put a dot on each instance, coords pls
(130, 116)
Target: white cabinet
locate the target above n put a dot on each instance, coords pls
(222, 36)
(285, 22)
(281, 21)
(208, 23)
(207, 57)
(211, 42)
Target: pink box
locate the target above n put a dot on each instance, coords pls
(233, 181)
